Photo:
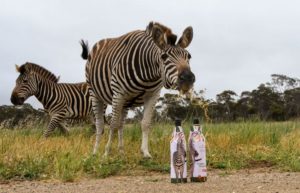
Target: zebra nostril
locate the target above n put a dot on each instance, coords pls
(182, 77)
(16, 100)
(187, 77)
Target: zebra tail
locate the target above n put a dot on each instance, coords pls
(85, 49)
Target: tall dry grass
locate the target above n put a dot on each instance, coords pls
(25, 154)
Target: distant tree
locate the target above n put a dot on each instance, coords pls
(244, 107)
(226, 102)
(281, 83)
(292, 103)
(267, 103)
(288, 89)
(277, 100)
(138, 113)
(173, 107)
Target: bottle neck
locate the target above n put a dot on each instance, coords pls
(178, 128)
(198, 128)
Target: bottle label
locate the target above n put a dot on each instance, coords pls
(197, 154)
(178, 157)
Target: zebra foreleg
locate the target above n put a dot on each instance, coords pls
(54, 122)
(116, 121)
(63, 128)
(98, 107)
(146, 122)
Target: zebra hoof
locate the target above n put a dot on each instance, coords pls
(105, 156)
(121, 152)
(147, 155)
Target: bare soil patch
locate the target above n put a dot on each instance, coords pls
(254, 181)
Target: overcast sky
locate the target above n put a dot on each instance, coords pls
(237, 44)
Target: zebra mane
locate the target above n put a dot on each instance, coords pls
(171, 38)
(43, 72)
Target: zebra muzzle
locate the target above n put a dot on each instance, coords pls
(17, 100)
(186, 81)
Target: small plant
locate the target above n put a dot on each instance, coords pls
(67, 167)
(102, 168)
(28, 168)
(154, 166)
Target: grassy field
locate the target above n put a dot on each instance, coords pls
(25, 154)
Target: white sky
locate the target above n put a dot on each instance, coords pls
(237, 44)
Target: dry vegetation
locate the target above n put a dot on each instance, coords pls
(24, 154)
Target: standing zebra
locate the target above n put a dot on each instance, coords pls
(130, 70)
(60, 100)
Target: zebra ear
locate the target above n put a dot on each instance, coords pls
(159, 36)
(17, 68)
(20, 69)
(186, 37)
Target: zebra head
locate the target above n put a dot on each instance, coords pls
(26, 86)
(174, 58)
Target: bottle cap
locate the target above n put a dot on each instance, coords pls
(196, 122)
(177, 122)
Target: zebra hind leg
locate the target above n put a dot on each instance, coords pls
(116, 121)
(120, 132)
(93, 128)
(98, 113)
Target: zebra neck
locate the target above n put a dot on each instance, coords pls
(46, 91)
(151, 65)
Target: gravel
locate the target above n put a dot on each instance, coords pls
(254, 181)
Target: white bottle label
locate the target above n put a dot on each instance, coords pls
(197, 153)
(176, 137)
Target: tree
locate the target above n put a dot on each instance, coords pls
(244, 107)
(281, 83)
(267, 103)
(292, 103)
(227, 102)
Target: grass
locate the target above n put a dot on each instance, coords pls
(25, 154)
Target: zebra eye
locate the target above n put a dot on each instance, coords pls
(189, 56)
(25, 80)
(164, 57)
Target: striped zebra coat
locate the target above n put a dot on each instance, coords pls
(130, 71)
(61, 100)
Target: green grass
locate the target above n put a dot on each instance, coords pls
(25, 154)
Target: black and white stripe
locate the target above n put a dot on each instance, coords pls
(130, 71)
(179, 160)
(61, 100)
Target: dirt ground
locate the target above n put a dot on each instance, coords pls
(254, 181)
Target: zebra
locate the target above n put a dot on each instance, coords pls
(61, 100)
(179, 160)
(130, 70)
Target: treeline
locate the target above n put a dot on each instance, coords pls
(277, 100)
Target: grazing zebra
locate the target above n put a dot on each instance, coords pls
(60, 100)
(179, 160)
(130, 70)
